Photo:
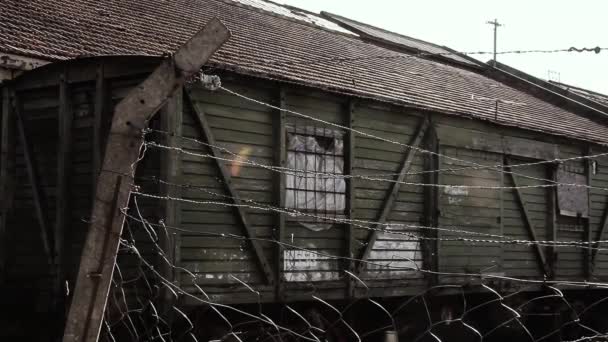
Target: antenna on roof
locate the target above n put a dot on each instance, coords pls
(496, 24)
(554, 75)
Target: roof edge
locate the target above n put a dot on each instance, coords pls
(284, 17)
(578, 88)
(475, 64)
(577, 104)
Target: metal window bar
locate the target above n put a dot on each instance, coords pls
(323, 190)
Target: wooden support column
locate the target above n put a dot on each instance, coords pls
(38, 195)
(349, 169)
(201, 119)
(98, 117)
(62, 215)
(113, 190)
(62, 194)
(552, 218)
(280, 160)
(540, 253)
(431, 206)
(171, 118)
(7, 163)
(393, 192)
(588, 255)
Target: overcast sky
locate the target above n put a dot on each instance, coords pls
(531, 24)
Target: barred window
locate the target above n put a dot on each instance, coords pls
(314, 184)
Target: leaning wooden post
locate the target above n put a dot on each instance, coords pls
(123, 145)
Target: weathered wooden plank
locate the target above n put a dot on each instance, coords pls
(551, 208)
(280, 138)
(227, 181)
(588, 253)
(431, 206)
(501, 214)
(7, 156)
(38, 195)
(392, 194)
(98, 118)
(351, 193)
(540, 253)
(169, 240)
(62, 198)
(112, 193)
(475, 140)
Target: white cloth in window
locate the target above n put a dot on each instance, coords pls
(312, 187)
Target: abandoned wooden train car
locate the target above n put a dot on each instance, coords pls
(298, 182)
(364, 216)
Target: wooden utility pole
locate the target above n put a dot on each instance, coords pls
(113, 190)
(496, 25)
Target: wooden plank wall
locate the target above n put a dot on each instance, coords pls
(373, 158)
(245, 129)
(209, 245)
(475, 210)
(28, 266)
(521, 260)
(31, 284)
(570, 262)
(302, 268)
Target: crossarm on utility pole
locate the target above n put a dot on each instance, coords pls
(114, 182)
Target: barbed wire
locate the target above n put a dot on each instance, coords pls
(356, 224)
(497, 167)
(159, 295)
(460, 313)
(392, 56)
(372, 136)
(297, 172)
(293, 212)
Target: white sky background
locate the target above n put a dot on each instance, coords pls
(531, 24)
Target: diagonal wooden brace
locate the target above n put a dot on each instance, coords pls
(540, 253)
(387, 206)
(113, 190)
(227, 180)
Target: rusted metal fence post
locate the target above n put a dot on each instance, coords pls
(113, 190)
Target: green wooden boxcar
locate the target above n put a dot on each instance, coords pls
(401, 220)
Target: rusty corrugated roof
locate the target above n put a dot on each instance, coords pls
(271, 45)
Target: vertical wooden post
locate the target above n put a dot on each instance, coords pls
(123, 145)
(552, 220)
(501, 213)
(588, 255)
(62, 195)
(280, 139)
(169, 241)
(7, 157)
(98, 117)
(349, 169)
(431, 204)
(436, 265)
